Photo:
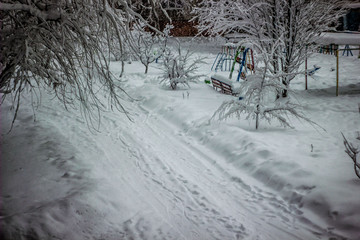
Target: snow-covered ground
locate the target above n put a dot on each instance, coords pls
(170, 173)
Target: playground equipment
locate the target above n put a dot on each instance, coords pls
(242, 56)
(337, 65)
(230, 55)
(311, 72)
(224, 58)
(328, 49)
(337, 50)
(347, 49)
(246, 62)
(332, 49)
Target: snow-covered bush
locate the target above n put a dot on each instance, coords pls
(354, 154)
(260, 97)
(178, 67)
(259, 103)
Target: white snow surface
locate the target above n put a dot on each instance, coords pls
(341, 38)
(171, 173)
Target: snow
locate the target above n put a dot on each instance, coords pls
(224, 79)
(354, 5)
(172, 173)
(343, 38)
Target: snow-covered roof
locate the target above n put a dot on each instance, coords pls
(341, 38)
(354, 5)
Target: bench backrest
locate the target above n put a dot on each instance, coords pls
(225, 88)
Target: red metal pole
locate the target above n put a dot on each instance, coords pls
(306, 85)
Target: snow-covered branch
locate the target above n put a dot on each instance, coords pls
(45, 15)
(61, 46)
(354, 154)
(179, 68)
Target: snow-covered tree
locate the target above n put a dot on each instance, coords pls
(148, 46)
(119, 52)
(354, 154)
(178, 67)
(259, 101)
(292, 26)
(157, 11)
(59, 45)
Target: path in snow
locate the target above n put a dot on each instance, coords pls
(141, 180)
(185, 187)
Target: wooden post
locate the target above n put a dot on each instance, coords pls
(337, 72)
(306, 85)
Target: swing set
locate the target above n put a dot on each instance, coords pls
(337, 53)
(230, 56)
(224, 58)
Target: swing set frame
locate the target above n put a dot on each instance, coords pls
(337, 67)
(247, 61)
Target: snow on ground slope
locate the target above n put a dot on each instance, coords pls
(173, 174)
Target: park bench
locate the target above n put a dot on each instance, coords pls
(222, 86)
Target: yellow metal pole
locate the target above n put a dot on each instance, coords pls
(337, 72)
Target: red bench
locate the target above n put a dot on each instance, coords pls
(222, 87)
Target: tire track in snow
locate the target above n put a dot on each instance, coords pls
(158, 158)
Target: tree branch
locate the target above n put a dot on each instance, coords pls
(45, 15)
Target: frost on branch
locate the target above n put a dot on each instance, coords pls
(178, 67)
(59, 45)
(260, 98)
(146, 46)
(259, 103)
(354, 154)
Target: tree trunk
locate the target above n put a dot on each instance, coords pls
(173, 85)
(146, 68)
(257, 117)
(122, 68)
(284, 92)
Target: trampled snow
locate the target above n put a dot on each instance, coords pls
(172, 173)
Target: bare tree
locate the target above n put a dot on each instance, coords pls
(59, 45)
